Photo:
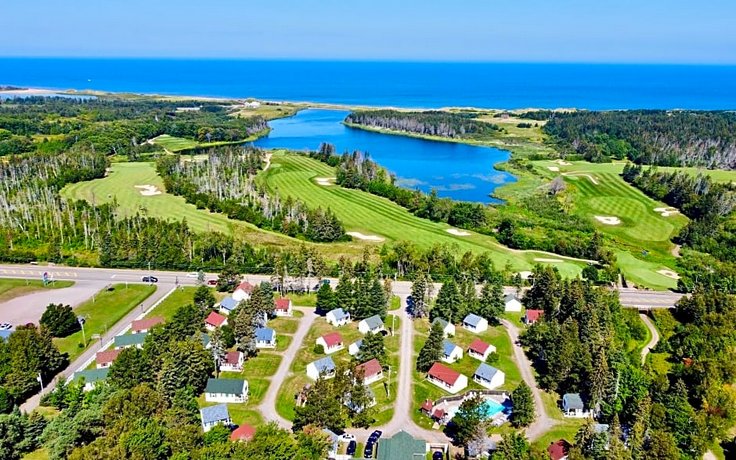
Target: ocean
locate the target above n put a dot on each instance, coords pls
(399, 84)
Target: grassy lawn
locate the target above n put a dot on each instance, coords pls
(182, 296)
(239, 412)
(395, 303)
(293, 175)
(11, 287)
(174, 144)
(303, 300)
(40, 454)
(384, 391)
(106, 309)
(284, 325)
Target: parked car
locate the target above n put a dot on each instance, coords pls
(347, 437)
(149, 279)
(375, 436)
(437, 455)
(351, 448)
(5, 326)
(368, 451)
(211, 282)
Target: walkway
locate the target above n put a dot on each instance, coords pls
(653, 341)
(542, 422)
(268, 405)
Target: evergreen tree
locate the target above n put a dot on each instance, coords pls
(326, 299)
(345, 295)
(129, 369)
(469, 298)
(371, 347)
(545, 291)
(523, 404)
(228, 279)
(59, 320)
(203, 298)
(432, 351)
(513, 446)
(469, 415)
(360, 402)
(419, 297)
(244, 329)
(490, 304)
(661, 445)
(323, 408)
(448, 303)
(187, 364)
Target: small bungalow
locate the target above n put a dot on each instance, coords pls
(283, 307)
(446, 378)
(447, 327)
(105, 358)
(488, 376)
(144, 325)
(511, 303)
(214, 320)
(475, 323)
(331, 342)
(5, 334)
(227, 305)
(531, 316)
(226, 390)
(233, 362)
(242, 433)
(354, 347)
(129, 340)
(214, 415)
(338, 317)
(243, 291)
(371, 401)
(372, 371)
(372, 324)
(478, 349)
(324, 367)
(426, 407)
(265, 337)
(402, 445)
(451, 352)
(573, 406)
(559, 450)
(91, 377)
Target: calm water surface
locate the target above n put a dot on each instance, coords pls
(458, 171)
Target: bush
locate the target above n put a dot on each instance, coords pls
(319, 349)
(59, 320)
(493, 358)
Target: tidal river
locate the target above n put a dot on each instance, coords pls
(459, 171)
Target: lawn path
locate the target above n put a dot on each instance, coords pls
(268, 405)
(542, 422)
(653, 341)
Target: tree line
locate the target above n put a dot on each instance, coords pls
(432, 123)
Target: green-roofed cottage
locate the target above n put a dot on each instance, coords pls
(402, 446)
(130, 340)
(226, 390)
(91, 377)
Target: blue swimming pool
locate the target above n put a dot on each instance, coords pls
(493, 408)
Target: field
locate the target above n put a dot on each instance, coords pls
(11, 287)
(105, 309)
(174, 144)
(294, 175)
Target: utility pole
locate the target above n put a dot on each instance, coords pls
(149, 273)
(388, 386)
(81, 320)
(40, 380)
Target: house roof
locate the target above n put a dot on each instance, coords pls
(91, 375)
(215, 413)
(205, 339)
(472, 319)
(370, 368)
(441, 321)
(479, 346)
(533, 315)
(228, 303)
(233, 357)
(107, 356)
(486, 372)
(226, 386)
(443, 373)
(4, 335)
(357, 344)
(128, 340)
(448, 347)
(215, 319)
(146, 323)
(245, 287)
(427, 405)
(338, 313)
(283, 303)
(601, 427)
(401, 445)
(558, 449)
(573, 401)
(325, 364)
(264, 334)
(244, 432)
(509, 297)
(374, 322)
(439, 413)
(332, 339)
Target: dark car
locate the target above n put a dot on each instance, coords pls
(375, 435)
(211, 282)
(368, 451)
(351, 448)
(437, 455)
(150, 279)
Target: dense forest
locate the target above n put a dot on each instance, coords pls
(657, 137)
(456, 125)
(225, 182)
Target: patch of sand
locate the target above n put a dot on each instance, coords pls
(669, 274)
(551, 261)
(591, 178)
(666, 212)
(562, 162)
(324, 181)
(608, 220)
(553, 168)
(456, 232)
(148, 190)
(361, 236)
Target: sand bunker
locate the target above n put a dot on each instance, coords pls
(563, 162)
(553, 168)
(361, 236)
(549, 261)
(591, 178)
(148, 190)
(456, 232)
(324, 181)
(608, 220)
(666, 212)
(669, 274)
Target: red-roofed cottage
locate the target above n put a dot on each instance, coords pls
(283, 307)
(233, 362)
(372, 371)
(105, 358)
(214, 320)
(532, 316)
(244, 432)
(478, 349)
(559, 450)
(331, 342)
(446, 378)
(145, 324)
(243, 291)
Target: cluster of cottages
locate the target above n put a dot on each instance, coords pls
(218, 390)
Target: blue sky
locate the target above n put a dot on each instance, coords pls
(641, 31)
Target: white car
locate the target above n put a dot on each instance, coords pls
(5, 326)
(192, 275)
(347, 437)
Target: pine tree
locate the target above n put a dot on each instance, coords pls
(345, 294)
(360, 402)
(545, 292)
(326, 299)
(469, 303)
(244, 328)
(372, 347)
(431, 352)
(419, 297)
(523, 403)
(448, 303)
(490, 304)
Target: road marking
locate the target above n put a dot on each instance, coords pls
(113, 276)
